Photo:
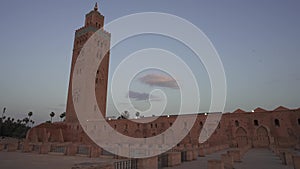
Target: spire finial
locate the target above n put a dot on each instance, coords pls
(96, 7)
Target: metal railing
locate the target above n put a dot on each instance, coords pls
(162, 161)
(183, 156)
(126, 164)
(58, 149)
(36, 148)
(83, 150)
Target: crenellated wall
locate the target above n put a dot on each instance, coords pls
(259, 129)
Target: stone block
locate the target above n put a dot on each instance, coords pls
(26, 147)
(288, 158)
(189, 155)
(296, 161)
(195, 154)
(12, 147)
(44, 148)
(174, 158)
(95, 152)
(215, 164)
(235, 154)
(71, 150)
(227, 161)
(147, 163)
(201, 152)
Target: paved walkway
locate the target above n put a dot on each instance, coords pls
(261, 159)
(254, 158)
(18, 160)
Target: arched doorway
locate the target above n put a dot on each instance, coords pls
(262, 137)
(241, 137)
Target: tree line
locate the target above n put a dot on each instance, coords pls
(17, 128)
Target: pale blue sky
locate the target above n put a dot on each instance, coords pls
(258, 43)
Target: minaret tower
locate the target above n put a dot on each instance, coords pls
(93, 22)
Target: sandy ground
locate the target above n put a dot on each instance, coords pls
(18, 160)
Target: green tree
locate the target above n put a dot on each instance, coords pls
(12, 128)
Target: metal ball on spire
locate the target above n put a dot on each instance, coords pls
(96, 7)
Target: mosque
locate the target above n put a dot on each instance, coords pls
(278, 128)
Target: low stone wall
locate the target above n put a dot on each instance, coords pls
(10, 146)
(227, 161)
(59, 148)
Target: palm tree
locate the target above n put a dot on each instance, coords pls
(26, 120)
(125, 114)
(137, 114)
(62, 115)
(52, 114)
(30, 114)
(32, 122)
(4, 109)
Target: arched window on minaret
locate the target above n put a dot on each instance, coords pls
(237, 124)
(277, 123)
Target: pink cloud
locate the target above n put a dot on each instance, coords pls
(159, 80)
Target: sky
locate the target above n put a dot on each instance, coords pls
(257, 41)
